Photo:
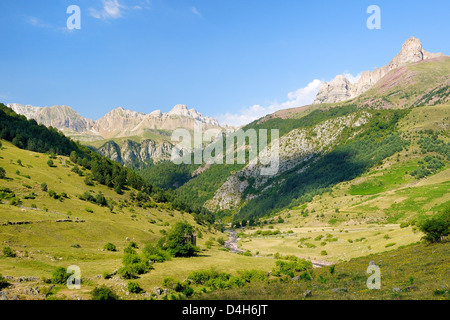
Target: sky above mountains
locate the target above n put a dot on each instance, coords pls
(234, 60)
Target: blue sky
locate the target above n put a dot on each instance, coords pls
(235, 60)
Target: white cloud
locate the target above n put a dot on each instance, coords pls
(352, 78)
(111, 9)
(36, 22)
(195, 11)
(301, 97)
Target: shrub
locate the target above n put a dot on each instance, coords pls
(3, 282)
(110, 247)
(404, 225)
(290, 267)
(129, 249)
(53, 194)
(236, 282)
(50, 163)
(332, 269)
(103, 293)
(2, 173)
(126, 273)
(101, 200)
(44, 186)
(155, 254)
(15, 201)
(8, 252)
(135, 264)
(30, 196)
(133, 287)
(437, 227)
(203, 276)
(188, 291)
(133, 244)
(60, 276)
(89, 181)
(252, 275)
(390, 245)
(130, 258)
(173, 284)
(323, 253)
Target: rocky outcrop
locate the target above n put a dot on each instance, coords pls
(341, 89)
(135, 154)
(337, 90)
(112, 151)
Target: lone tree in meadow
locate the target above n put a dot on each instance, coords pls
(180, 241)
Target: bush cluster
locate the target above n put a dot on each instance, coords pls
(133, 263)
(437, 227)
(9, 253)
(103, 293)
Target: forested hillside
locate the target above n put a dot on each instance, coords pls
(27, 134)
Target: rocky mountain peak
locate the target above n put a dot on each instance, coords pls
(179, 110)
(340, 89)
(123, 113)
(156, 113)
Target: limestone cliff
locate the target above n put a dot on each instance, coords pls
(136, 154)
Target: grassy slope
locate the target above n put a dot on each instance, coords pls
(45, 244)
(418, 271)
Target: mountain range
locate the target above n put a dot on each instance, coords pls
(117, 123)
